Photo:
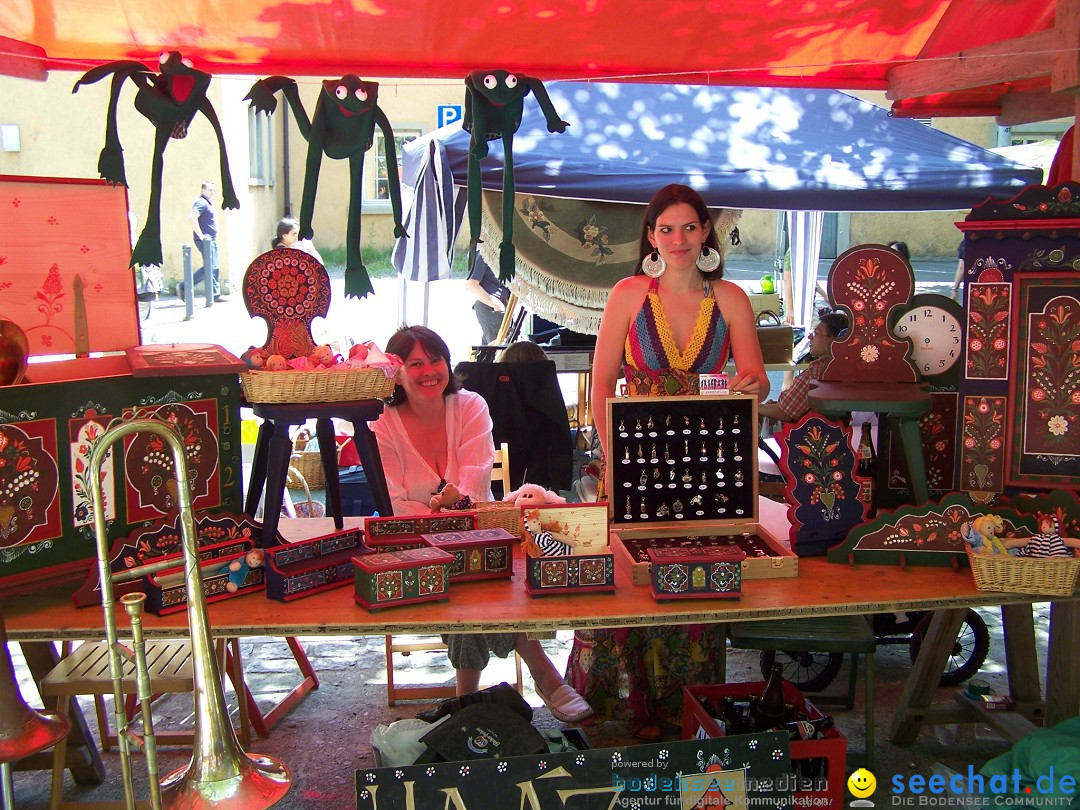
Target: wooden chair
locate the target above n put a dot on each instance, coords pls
(406, 645)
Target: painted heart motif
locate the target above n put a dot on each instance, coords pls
(828, 498)
(7, 521)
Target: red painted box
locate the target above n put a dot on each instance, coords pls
(478, 553)
(166, 590)
(402, 577)
(705, 572)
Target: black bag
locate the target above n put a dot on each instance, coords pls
(776, 339)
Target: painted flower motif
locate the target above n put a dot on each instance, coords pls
(399, 774)
(430, 772)
(616, 759)
(999, 344)
(663, 754)
(370, 777)
(753, 745)
(1038, 394)
(976, 345)
(542, 764)
(869, 354)
(464, 770)
(777, 754)
(995, 444)
(501, 767)
(1057, 425)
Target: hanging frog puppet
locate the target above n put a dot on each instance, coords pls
(169, 100)
(343, 126)
(494, 103)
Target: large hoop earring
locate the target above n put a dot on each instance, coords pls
(653, 266)
(708, 260)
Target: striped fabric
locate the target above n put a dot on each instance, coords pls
(431, 222)
(650, 345)
(550, 547)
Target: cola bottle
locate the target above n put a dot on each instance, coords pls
(769, 711)
(867, 469)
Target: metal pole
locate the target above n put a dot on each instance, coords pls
(189, 286)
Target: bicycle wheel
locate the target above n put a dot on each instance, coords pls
(807, 671)
(968, 653)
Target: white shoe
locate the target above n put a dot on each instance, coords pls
(566, 704)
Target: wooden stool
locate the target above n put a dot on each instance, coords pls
(273, 447)
(903, 403)
(832, 634)
(410, 644)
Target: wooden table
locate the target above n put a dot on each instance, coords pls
(821, 589)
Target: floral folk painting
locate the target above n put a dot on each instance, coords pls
(989, 313)
(982, 458)
(1044, 443)
(818, 464)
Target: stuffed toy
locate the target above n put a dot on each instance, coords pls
(547, 539)
(494, 103)
(169, 100)
(238, 569)
(1047, 543)
(343, 126)
(277, 362)
(533, 495)
(982, 536)
(449, 496)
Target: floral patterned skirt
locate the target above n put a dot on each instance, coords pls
(637, 674)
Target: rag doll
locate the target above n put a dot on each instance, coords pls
(547, 539)
(238, 569)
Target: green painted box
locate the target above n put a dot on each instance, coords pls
(402, 577)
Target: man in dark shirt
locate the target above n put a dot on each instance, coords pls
(203, 218)
(491, 298)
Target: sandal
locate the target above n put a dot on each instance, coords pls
(566, 704)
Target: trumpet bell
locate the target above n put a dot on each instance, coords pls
(23, 731)
(254, 781)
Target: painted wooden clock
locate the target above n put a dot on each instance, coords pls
(934, 323)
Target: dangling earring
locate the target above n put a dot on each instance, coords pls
(708, 260)
(653, 266)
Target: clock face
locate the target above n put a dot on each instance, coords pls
(934, 327)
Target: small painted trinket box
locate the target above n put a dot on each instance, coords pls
(706, 572)
(312, 565)
(402, 577)
(478, 553)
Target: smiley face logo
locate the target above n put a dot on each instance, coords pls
(862, 783)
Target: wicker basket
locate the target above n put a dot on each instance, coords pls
(316, 386)
(309, 507)
(498, 515)
(308, 463)
(1054, 576)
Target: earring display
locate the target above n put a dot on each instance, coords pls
(708, 497)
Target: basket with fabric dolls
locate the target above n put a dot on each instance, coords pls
(1041, 563)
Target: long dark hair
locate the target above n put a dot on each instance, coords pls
(666, 197)
(285, 225)
(402, 343)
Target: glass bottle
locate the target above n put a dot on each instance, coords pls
(769, 711)
(867, 469)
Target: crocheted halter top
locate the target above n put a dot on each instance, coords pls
(650, 345)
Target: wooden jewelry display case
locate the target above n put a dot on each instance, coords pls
(683, 476)
(68, 287)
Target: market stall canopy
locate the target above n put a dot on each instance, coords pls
(943, 57)
(771, 148)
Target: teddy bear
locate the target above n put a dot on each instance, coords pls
(533, 495)
(238, 569)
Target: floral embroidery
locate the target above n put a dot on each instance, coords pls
(594, 238)
(539, 222)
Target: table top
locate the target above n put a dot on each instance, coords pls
(820, 589)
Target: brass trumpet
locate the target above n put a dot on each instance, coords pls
(220, 773)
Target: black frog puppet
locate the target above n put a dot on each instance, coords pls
(169, 100)
(343, 126)
(494, 104)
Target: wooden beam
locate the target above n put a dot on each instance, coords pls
(1006, 61)
(1065, 76)
(1034, 105)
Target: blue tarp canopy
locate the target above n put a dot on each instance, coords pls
(771, 148)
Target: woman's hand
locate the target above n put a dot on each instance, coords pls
(747, 382)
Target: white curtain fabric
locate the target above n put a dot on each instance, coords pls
(804, 228)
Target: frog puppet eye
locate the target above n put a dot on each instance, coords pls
(341, 92)
(511, 81)
(490, 81)
(361, 93)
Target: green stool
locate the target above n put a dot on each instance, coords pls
(831, 634)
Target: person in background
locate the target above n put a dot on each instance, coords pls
(288, 236)
(434, 434)
(677, 317)
(204, 231)
(792, 402)
(491, 298)
(959, 279)
(902, 249)
(523, 351)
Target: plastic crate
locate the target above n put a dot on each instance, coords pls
(832, 747)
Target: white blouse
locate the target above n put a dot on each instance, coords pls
(470, 455)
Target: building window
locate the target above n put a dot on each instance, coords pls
(260, 149)
(377, 181)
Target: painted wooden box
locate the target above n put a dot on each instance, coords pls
(166, 591)
(402, 577)
(566, 549)
(478, 553)
(315, 564)
(69, 289)
(404, 532)
(684, 477)
(700, 573)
